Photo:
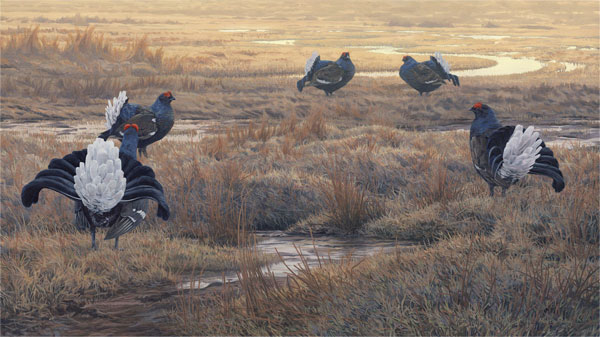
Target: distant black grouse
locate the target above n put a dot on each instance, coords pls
(154, 122)
(502, 155)
(328, 76)
(110, 187)
(427, 76)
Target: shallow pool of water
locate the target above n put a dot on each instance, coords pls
(486, 37)
(234, 30)
(320, 249)
(278, 42)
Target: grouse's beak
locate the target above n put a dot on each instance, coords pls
(172, 98)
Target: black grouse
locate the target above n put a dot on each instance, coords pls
(121, 112)
(502, 155)
(328, 76)
(427, 76)
(110, 187)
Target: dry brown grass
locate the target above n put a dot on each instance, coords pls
(525, 264)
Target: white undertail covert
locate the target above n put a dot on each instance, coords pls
(520, 153)
(442, 62)
(99, 181)
(309, 63)
(113, 109)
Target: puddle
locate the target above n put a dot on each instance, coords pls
(486, 37)
(326, 247)
(385, 50)
(278, 42)
(569, 66)
(582, 48)
(183, 130)
(553, 135)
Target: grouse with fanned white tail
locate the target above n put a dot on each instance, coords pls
(328, 76)
(503, 155)
(154, 122)
(427, 76)
(110, 187)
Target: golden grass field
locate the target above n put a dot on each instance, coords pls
(368, 161)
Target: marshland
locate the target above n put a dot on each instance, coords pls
(295, 213)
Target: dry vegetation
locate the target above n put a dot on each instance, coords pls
(493, 266)
(358, 163)
(524, 264)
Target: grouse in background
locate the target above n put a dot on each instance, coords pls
(328, 76)
(154, 122)
(427, 76)
(502, 155)
(110, 187)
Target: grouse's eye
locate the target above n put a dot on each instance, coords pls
(477, 105)
(167, 94)
(404, 58)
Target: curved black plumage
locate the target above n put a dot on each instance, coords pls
(30, 192)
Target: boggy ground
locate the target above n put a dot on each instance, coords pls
(488, 265)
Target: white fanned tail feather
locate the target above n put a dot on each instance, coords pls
(520, 153)
(113, 109)
(442, 62)
(99, 181)
(310, 62)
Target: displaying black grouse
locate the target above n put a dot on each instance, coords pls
(154, 122)
(109, 186)
(328, 76)
(427, 76)
(502, 155)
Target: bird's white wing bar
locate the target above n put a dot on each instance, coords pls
(310, 62)
(520, 153)
(113, 109)
(329, 82)
(442, 62)
(99, 181)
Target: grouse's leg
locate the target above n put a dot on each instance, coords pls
(142, 151)
(504, 191)
(491, 190)
(117, 243)
(93, 230)
(420, 93)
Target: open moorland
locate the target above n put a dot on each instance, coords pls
(251, 155)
